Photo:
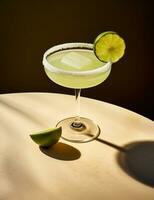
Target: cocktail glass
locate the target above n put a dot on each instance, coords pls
(74, 65)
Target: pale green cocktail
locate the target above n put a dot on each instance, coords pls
(76, 60)
(74, 65)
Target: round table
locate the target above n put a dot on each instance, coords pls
(117, 165)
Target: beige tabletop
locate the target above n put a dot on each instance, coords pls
(118, 165)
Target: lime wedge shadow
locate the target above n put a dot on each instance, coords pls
(61, 151)
(138, 161)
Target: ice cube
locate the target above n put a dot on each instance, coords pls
(76, 60)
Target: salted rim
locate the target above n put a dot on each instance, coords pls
(67, 46)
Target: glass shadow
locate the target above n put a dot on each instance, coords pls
(138, 161)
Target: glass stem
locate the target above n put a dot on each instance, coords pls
(77, 99)
(77, 123)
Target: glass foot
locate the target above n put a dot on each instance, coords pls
(84, 131)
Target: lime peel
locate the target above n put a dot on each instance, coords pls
(48, 137)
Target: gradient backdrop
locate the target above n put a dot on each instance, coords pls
(28, 28)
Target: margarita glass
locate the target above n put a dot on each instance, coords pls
(74, 65)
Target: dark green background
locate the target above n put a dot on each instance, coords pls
(28, 28)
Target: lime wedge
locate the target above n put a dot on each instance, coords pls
(109, 46)
(47, 137)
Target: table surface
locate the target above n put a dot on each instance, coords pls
(101, 169)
